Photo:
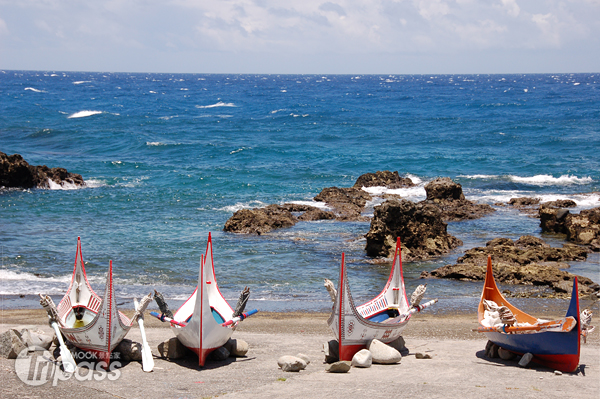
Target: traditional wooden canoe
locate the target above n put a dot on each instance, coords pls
(383, 317)
(554, 344)
(205, 321)
(88, 321)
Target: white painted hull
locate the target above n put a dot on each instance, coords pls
(351, 325)
(103, 327)
(202, 332)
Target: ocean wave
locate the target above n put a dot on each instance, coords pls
(83, 114)
(94, 183)
(82, 81)
(547, 180)
(240, 150)
(52, 185)
(316, 204)
(537, 180)
(34, 90)
(583, 201)
(23, 283)
(219, 104)
(241, 205)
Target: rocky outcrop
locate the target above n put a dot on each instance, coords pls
(263, 220)
(383, 179)
(347, 203)
(527, 261)
(525, 204)
(448, 196)
(532, 206)
(260, 220)
(420, 227)
(15, 172)
(582, 228)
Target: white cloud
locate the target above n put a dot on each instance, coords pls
(316, 29)
(511, 7)
(3, 27)
(549, 25)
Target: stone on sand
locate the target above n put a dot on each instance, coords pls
(338, 367)
(382, 353)
(363, 358)
(237, 347)
(291, 363)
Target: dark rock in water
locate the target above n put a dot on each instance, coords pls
(448, 196)
(582, 228)
(561, 204)
(420, 227)
(527, 261)
(260, 220)
(532, 206)
(443, 188)
(525, 204)
(316, 214)
(16, 172)
(523, 201)
(347, 203)
(383, 179)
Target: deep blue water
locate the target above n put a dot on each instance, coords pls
(170, 157)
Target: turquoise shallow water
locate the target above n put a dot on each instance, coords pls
(169, 158)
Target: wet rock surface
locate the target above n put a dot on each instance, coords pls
(420, 227)
(527, 261)
(448, 196)
(15, 172)
(384, 178)
(582, 228)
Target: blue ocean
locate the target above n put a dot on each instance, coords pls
(168, 158)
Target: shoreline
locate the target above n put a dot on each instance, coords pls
(457, 368)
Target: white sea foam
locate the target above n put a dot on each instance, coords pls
(81, 81)
(240, 150)
(94, 183)
(34, 90)
(537, 180)
(547, 180)
(84, 114)
(154, 143)
(18, 283)
(416, 193)
(219, 104)
(583, 201)
(240, 205)
(316, 204)
(64, 186)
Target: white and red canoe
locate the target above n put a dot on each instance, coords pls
(382, 318)
(102, 326)
(199, 322)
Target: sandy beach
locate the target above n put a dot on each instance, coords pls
(458, 367)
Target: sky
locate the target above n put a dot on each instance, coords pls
(301, 36)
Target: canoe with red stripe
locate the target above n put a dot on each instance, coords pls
(88, 321)
(200, 319)
(558, 350)
(354, 326)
